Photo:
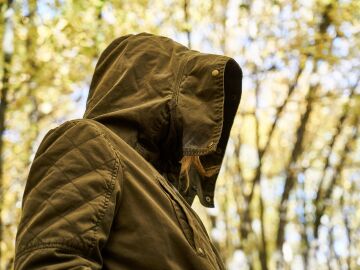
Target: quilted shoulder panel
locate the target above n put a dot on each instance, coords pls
(71, 192)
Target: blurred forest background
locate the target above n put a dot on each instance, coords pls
(288, 196)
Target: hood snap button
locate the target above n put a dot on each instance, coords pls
(207, 198)
(215, 72)
(201, 251)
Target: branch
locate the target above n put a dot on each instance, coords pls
(261, 151)
(291, 175)
(318, 202)
(335, 178)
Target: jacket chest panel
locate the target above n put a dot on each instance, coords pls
(152, 216)
(154, 227)
(191, 224)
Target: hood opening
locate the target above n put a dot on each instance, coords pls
(202, 185)
(232, 96)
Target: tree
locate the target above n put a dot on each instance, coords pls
(287, 194)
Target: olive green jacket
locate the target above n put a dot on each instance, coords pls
(104, 191)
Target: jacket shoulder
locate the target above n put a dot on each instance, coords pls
(71, 193)
(75, 132)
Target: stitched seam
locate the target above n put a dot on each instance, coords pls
(115, 152)
(52, 132)
(107, 196)
(121, 184)
(191, 151)
(61, 215)
(70, 181)
(94, 123)
(220, 83)
(64, 247)
(190, 239)
(109, 189)
(180, 78)
(105, 203)
(67, 137)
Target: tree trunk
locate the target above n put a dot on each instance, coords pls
(7, 56)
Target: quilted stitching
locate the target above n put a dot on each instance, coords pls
(78, 237)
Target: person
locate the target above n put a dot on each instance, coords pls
(114, 189)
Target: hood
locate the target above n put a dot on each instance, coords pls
(167, 101)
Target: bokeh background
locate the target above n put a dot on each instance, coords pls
(288, 194)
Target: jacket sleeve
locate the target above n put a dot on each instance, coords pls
(70, 199)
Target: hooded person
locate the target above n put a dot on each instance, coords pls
(114, 189)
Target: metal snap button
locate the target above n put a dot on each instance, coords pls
(215, 72)
(207, 198)
(201, 251)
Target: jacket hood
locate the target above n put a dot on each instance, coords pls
(166, 101)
